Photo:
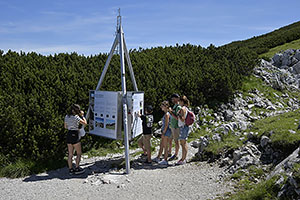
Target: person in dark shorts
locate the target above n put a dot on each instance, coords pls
(72, 122)
(145, 141)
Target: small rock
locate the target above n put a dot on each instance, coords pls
(292, 131)
(264, 141)
(121, 186)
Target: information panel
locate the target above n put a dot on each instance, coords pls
(137, 107)
(105, 113)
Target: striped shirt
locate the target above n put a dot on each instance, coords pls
(72, 122)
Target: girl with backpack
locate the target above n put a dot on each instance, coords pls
(183, 127)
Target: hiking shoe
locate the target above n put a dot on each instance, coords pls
(71, 171)
(79, 170)
(174, 157)
(163, 162)
(157, 160)
(180, 162)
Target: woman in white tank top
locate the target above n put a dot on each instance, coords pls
(184, 129)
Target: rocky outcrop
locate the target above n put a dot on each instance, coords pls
(288, 177)
(281, 73)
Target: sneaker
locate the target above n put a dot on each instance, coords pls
(169, 155)
(173, 158)
(163, 162)
(180, 162)
(71, 171)
(79, 170)
(157, 160)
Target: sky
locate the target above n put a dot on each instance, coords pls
(88, 26)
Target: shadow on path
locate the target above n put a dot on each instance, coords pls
(110, 165)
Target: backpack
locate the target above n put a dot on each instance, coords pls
(190, 117)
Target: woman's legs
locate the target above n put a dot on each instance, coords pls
(161, 146)
(170, 145)
(78, 152)
(166, 149)
(184, 146)
(70, 155)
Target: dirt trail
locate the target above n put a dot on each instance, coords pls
(101, 180)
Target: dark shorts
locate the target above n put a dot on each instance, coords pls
(72, 137)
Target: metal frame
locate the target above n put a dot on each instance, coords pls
(120, 40)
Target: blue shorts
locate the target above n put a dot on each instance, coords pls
(184, 132)
(168, 132)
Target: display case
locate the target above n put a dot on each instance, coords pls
(106, 114)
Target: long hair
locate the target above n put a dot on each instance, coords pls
(185, 100)
(74, 110)
(165, 103)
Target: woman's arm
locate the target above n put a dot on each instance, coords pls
(83, 121)
(182, 114)
(173, 115)
(65, 125)
(166, 123)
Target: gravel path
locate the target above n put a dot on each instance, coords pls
(102, 180)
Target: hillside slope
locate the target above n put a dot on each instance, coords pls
(261, 44)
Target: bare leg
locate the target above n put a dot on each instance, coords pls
(161, 146)
(147, 144)
(184, 149)
(176, 147)
(70, 155)
(166, 142)
(78, 152)
(170, 146)
(141, 145)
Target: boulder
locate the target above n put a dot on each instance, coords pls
(264, 141)
(297, 55)
(286, 164)
(228, 115)
(296, 68)
(217, 137)
(277, 58)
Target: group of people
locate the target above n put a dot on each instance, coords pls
(174, 128)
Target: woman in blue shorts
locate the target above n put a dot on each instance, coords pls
(184, 129)
(165, 135)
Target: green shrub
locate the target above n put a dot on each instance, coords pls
(36, 90)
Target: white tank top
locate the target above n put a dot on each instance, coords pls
(182, 123)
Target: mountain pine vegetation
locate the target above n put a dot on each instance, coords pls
(36, 90)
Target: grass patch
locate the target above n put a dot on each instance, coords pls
(291, 45)
(198, 133)
(265, 190)
(22, 167)
(280, 126)
(251, 82)
(229, 142)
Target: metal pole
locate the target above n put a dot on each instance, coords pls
(104, 71)
(124, 95)
(107, 63)
(130, 67)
